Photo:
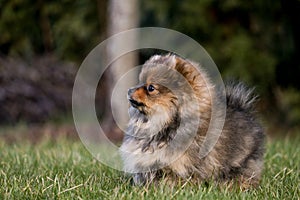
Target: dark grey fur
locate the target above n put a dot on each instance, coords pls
(243, 136)
(237, 155)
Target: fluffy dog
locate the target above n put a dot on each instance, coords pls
(170, 114)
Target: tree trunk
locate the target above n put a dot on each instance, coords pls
(122, 15)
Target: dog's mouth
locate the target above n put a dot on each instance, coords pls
(135, 103)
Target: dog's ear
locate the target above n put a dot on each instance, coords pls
(193, 74)
(161, 62)
(185, 68)
(171, 61)
(168, 60)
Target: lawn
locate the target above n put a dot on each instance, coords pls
(64, 169)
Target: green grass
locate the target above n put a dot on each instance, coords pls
(65, 170)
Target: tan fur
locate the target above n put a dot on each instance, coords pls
(170, 115)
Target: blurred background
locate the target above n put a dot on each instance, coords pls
(42, 44)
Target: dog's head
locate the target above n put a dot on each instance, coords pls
(155, 96)
(163, 86)
(172, 92)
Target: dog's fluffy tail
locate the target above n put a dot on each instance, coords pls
(240, 97)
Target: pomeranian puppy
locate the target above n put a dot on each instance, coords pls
(170, 114)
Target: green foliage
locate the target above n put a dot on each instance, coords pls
(288, 105)
(68, 28)
(19, 32)
(65, 170)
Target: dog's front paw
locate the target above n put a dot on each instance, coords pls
(139, 179)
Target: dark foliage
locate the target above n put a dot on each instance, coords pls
(34, 91)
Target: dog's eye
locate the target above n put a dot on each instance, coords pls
(151, 88)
